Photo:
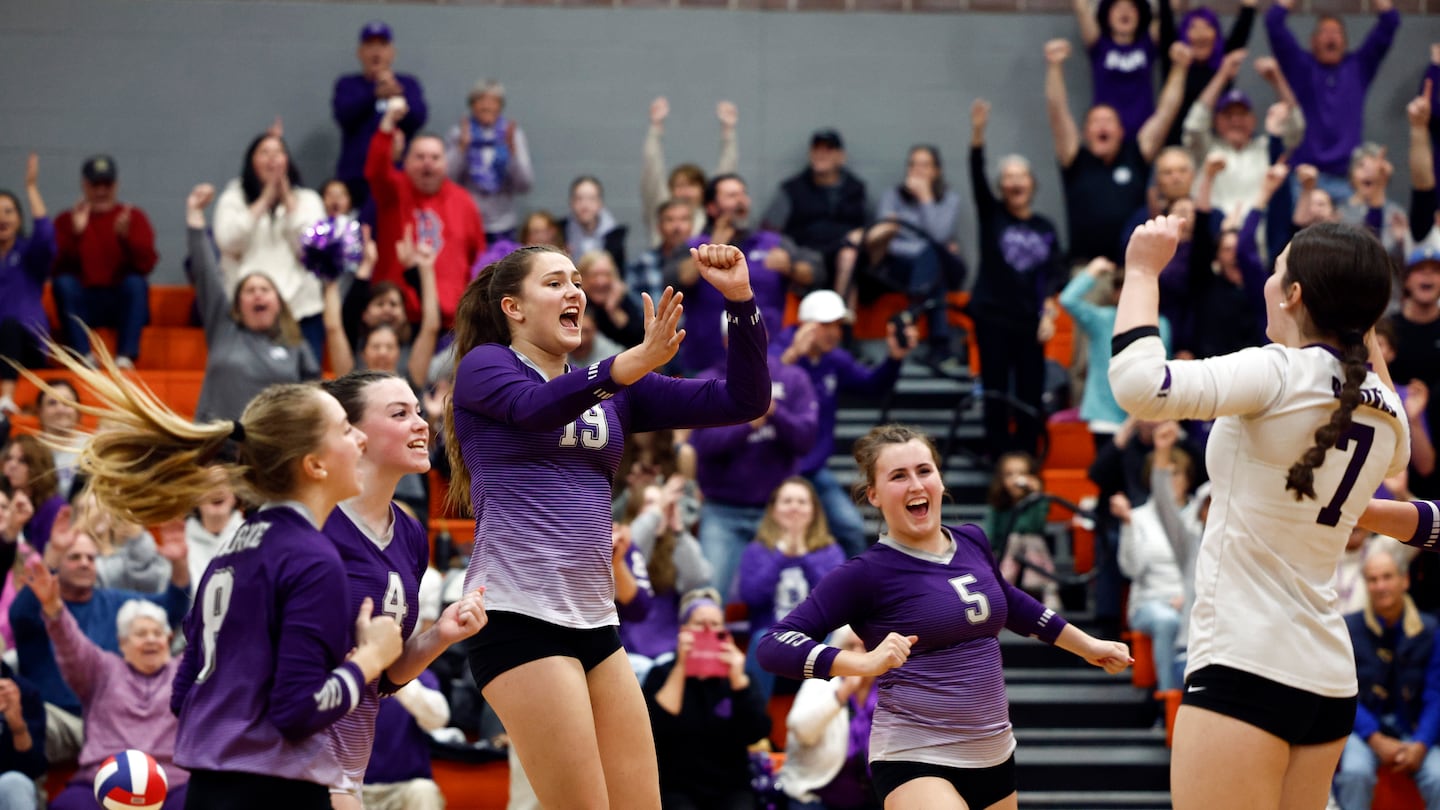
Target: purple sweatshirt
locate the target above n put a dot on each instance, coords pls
(772, 583)
(741, 465)
(704, 347)
(832, 374)
(358, 112)
(1124, 78)
(1332, 97)
(23, 272)
(272, 675)
(402, 748)
(542, 455)
(947, 703)
(123, 708)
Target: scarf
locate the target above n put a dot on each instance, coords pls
(489, 155)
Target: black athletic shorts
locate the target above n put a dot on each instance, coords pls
(1294, 715)
(979, 787)
(232, 790)
(511, 639)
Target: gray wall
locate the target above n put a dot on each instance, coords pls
(175, 90)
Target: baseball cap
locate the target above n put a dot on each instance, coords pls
(823, 306)
(99, 169)
(827, 137)
(375, 30)
(1234, 96)
(1421, 255)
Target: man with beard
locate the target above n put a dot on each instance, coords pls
(773, 269)
(420, 202)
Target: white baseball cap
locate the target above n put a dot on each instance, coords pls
(824, 306)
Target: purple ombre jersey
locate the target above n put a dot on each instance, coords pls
(390, 576)
(542, 455)
(264, 670)
(946, 705)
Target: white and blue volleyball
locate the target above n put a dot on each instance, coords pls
(131, 780)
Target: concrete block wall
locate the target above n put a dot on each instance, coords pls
(175, 89)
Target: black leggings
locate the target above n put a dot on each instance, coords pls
(1009, 359)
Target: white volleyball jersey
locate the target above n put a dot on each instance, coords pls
(1263, 596)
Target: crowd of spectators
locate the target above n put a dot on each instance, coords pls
(751, 510)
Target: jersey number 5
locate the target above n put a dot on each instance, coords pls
(979, 609)
(593, 435)
(1364, 438)
(214, 604)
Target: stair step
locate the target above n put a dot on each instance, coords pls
(1096, 799)
(1062, 678)
(1085, 768)
(1080, 706)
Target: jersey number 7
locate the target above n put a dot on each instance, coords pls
(1364, 438)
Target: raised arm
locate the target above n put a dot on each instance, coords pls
(210, 295)
(1089, 26)
(81, 662)
(1377, 43)
(652, 164)
(337, 343)
(1422, 157)
(422, 350)
(728, 161)
(32, 187)
(1151, 136)
(1057, 102)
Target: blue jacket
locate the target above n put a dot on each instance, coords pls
(1416, 671)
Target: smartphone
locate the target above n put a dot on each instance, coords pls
(707, 655)
(902, 320)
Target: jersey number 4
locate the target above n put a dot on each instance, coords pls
(395, 605)
(589, 430)
(1364, 438)
(979, 606)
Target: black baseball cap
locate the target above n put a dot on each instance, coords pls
(99, 169)
(826, 137)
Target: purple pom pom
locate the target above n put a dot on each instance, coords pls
(329, 249)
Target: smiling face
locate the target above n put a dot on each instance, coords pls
(586, 202)
(732, 201)
(907, 490)
(1124, 18)
(425, 164)
(381, 351)
(548, 310)
(258, 303)
(146, 647)
(337, 199)
(1328, 42)
(486, 109)
(269, 160)
(57, 415)
(1235, 124)
(1422, 284)
(397, 437)
(600, 277)
(16, 466)
(794, 509)
(1017, 185)
(9, 219)
(337, 457)
(1200, 35)
(1103, 133)
(387, 307)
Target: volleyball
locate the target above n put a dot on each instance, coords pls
(131, 780)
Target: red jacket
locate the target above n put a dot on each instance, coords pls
(447, 219)
(100, 256)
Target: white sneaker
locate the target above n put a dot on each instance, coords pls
(124, 363)
(8, 405)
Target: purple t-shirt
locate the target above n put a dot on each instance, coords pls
(264, 670)
(704, 347)
(741, 465)
(831, 374)
(542, 456)
(391, 578)
(772, 583)
(1124, 78)
(23, 273)
(946, 705)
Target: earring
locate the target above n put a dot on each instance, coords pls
(324, 473)
(1284, 305)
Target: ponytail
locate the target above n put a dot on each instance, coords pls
(1354, 354)
(480, 320)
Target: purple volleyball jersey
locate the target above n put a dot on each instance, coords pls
(542, 455)
(390, 576)
(264, 670)
(946, 705)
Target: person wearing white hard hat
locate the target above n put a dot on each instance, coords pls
(814, 346)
